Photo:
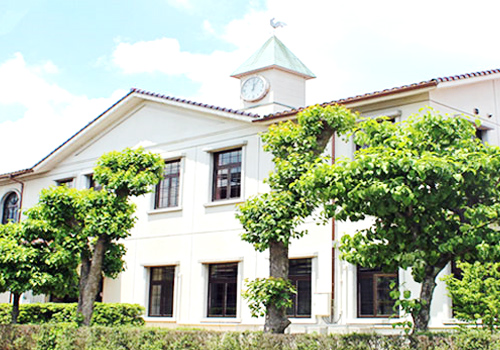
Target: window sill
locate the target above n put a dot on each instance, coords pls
(374, 320)
(165, 319)
(222, 202)
(164, 210)
(302, 320)
(220, 320)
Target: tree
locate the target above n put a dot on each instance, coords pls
(476, 295)
(432, 189)
(31, 265)
(271, 219)
(90, 224)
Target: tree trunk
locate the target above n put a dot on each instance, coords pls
(422, 316)
(91, 284)
(84, 275)
(276, 318)
(15, 307)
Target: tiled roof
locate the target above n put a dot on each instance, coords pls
(386, 92)
(204, 105)
(467, 75)
(15, 173)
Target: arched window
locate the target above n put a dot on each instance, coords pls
(10, 212)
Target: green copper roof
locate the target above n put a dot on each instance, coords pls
(274, 53)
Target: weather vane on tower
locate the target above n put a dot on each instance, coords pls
(277, 24)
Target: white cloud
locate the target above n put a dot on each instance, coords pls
(352, 46)
(207, 27)
(51, 113)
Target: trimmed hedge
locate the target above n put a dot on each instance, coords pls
(105, 314)
(70, 337)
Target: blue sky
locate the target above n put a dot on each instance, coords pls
(64, 62)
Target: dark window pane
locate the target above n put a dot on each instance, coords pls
(299, 274)
(66, 182)
(161, 291)
(227, 174)
(91, 183)
(304, 298)
(222, 293)
(374, 287)
(167, 191)
(11, 208)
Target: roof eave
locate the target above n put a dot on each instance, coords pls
(360, 100)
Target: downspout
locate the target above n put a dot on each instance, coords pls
(22, 195)
(331, 319)
(333, 241)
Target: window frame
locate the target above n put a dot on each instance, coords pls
(215, 195)
(91, 183)
(5, 203)
(374, 274)
(157, 192)
(65, 181)
(166, 287)
(294, 279)
(233, 280)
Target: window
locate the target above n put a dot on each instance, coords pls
(373, 292)
(167, 191)
(299, 274)
(65, 182)
(91, 183)
(222, 285)
(161, 291)
(10, 210)
(227, 174)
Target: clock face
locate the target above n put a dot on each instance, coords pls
(254, 88)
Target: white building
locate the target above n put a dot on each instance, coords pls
(185, 260)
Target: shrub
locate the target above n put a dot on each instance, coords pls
(105, 314)
(69, 337)
(476, 296)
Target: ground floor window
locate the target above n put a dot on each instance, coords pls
(374, 287)
(161, 291)
(299, 274)
(222, 290)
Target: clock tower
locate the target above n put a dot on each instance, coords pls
(272, 80)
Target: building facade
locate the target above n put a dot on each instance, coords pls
(185, 260)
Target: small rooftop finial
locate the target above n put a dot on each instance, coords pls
(276, 24)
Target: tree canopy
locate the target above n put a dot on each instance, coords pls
(89, 224)
(34, 265)
(432, 189)
(271, 220)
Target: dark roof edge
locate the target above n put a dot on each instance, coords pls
(83, 128)
(16, 173)
(193, 103)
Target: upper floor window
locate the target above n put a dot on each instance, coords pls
(10, 210)
(92, 183)
(299, 274)
(227, 174)
(66, 182)
(161, 291)
(167, 191)
(374, 287)
(222, 290)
